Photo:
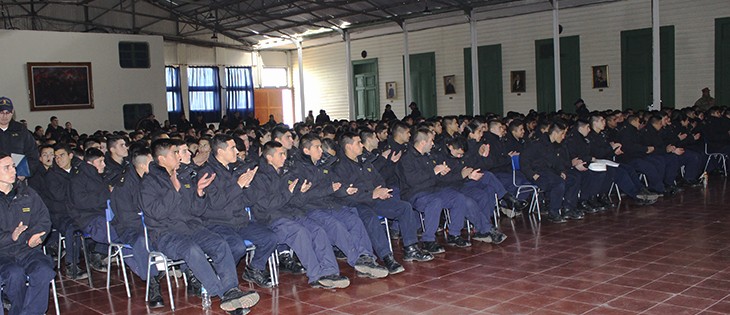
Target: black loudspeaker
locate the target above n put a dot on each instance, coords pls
(133, 113)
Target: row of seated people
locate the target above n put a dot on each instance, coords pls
(313, 194)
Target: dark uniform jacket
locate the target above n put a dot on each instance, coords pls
(167, 210)
(89, 194)
(320, 196)
(715, 132)
(17, 139)
(59, 185)
(579, 146)
(362, 175)
(512, 144)
(652, 137)
(21, 204)
(600, 146)
(498, 158)
(631, 144)
(270, 192)
(385, 166)
(126, 201)
(417, 176)
(114, 171)
(543, 156)
(225, 202)
(453, 178)
(473, 158)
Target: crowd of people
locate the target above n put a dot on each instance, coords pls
(319, 191)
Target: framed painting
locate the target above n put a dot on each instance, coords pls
(60, 85)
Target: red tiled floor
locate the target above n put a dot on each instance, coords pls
(669, 258)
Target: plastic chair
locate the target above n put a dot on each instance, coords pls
(152, 260)
(62, 245)
(534, 203)
(720, 157)
(115, 251)
(273, 261)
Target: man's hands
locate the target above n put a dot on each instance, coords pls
(292, 185)
(245, 179)
(336, 186)
(394, 158)
(203, 182)
(305, 186)
(34, 240)
(476, 174)
(175, 181)
(382, 193)
(649, 150)
(484, 150)
(441, 169)
(579, 164)
(351, 190)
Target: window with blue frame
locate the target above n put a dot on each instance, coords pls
(239, 91)
(204, 93)
(174, 94)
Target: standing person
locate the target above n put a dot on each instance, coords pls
(322, 118)
(15, 137)
(310, 119)
(388, 114)
(415, 113)
(71, 133)
(54, 131)
(172, 205)
(705, 101)
(24, 221)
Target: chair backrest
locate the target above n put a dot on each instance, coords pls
(516, 162)
(109, 218)
(144, 228)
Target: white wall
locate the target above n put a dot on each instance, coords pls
(599, 28)
(113, 86)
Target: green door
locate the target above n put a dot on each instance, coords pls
(722, 61)
(423, 83)
(636, 67)
(490, 80)
(569, 73)
(367, 100)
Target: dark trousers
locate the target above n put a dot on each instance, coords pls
(344, 230)
(670, 162)
(309, 241)
(561, 193)
(590, 183)
(139, 259)
(483, 195)
(66, 226)
(35, 269)
(261, 236)
(432, 203)
(693, 163)
(192, 246)
(394, 209)
(653, 170)
(627, 179)
(507, 183)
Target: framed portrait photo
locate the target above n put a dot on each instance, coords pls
(600, 76)
(60, 85)
(517, 81)
(391, 90)
(449, 84)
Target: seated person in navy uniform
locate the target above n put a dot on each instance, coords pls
(422, 185)
(342, 224)
(374, 198)
(466, 180)
(115, 159)
(24, 221)
(691, 160)
(127, 225)
(276, 193)
(58, 180)
(225, 213)
(499, 159)
(89, 194)
(636, 154)
(546, 162)
(172, 204)
(664, 153)
(579, 151)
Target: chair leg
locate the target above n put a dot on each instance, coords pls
(124, 273)
(55, 296)
(86, 259)
(147, 283)
(169, 285)
(537, 204)
(60, 249)
(387, 233)
(109, 264)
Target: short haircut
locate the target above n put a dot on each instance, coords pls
(329, 130)
(457, 143)
(52, 118)
(278, 132)
(380, 127)
(3, 155)
(112, 140)
(89, 141)
(306, 141)
(422, 134)
(595, 118)
(495, 123)
(157, 135)
(557, 126)
(655, 119)
(347, 138)
(45, 146)
(398, 127)
(447, 120)
(366, 134)
(240, 145)
(582, 122)
(269, 148)
(160, 147)
(64, 147)
(219, 142)
(471, 127)
(329, 144)
(514, 124)
(137, 156)
(93, 154)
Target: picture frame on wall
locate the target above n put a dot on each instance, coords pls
(60, 85)
(600, 76)
(391, 90)
(449, 84)
(517, 81)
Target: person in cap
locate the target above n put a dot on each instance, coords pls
(706, 101)
(15, 137)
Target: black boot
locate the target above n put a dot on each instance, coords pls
(512, 202)
(155, 298)
(412, 252)
(392, 265)
(194, 285)
(290, 264)
(258, 277)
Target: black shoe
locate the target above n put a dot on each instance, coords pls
(433, 248)
(643, 202)
(155, 297)
(596, 204)
(556, 218)
(455, 240)
(606, 201)
(95, 262)
(240, 311)
(586, 207)
(573, 215)
(194, 285)
(339, 254)
(366, 266)
(513, 203)
(331, 282)
(394, 234)
(412, 252)
(392, 265)
(497, 236)
(289, 264)
(75, 273)
(234, 299)
(482, 237)
(258, 277)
